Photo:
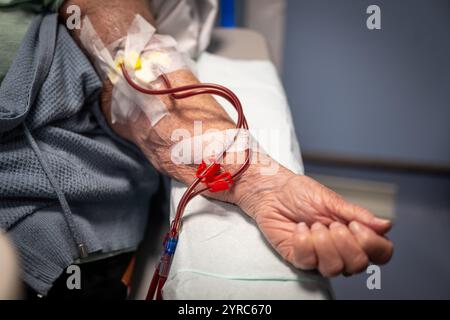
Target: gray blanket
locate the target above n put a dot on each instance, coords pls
(68, 185)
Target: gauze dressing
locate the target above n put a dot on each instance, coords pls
(146, 55)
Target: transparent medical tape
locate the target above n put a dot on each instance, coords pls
(146, 55)
(208, 147)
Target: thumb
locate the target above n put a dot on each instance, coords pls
(351, 212)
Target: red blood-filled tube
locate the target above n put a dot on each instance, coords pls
(223, 180)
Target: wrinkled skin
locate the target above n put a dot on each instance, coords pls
(307, 224)
(313, 227)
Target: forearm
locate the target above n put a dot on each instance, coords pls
(308, 224)
(111, 19)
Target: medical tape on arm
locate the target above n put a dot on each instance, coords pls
(210, 145)
(146, 55)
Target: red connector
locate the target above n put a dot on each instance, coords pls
(211, 176)
(206, 173)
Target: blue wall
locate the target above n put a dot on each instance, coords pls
(381, 94)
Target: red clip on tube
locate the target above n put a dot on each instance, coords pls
(213, 179)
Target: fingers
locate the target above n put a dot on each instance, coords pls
(351, 212)
(338, 248)
(353, 256)
(304, 255)
(330, 263)
(378, 249)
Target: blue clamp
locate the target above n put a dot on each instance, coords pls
(171, 245)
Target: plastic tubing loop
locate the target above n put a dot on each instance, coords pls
(183, 92)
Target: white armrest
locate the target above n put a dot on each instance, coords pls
(238, 43)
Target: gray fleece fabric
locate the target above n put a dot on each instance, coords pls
(65, 179)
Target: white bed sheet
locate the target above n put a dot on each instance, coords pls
(221, 253)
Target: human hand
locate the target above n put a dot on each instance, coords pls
(312, 227)
(308, 224)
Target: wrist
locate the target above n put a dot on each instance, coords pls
(258, 185)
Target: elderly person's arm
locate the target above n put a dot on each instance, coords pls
(308, 224)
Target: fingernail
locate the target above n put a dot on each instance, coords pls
(381, 221)
(316, 226)
(334, 225)
(354, 226)
(302, 227)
